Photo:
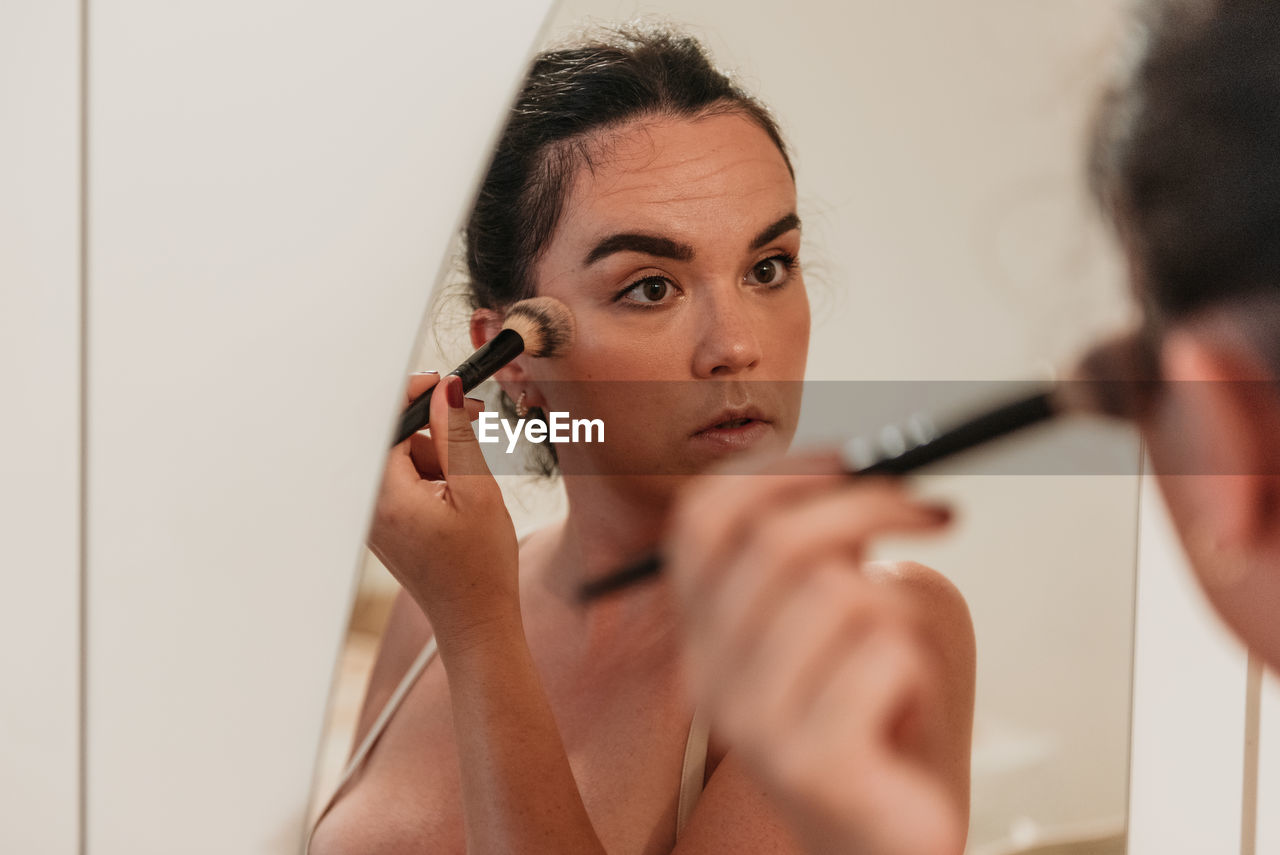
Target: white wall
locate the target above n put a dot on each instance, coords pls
(1188, 707)
(1268, 792)
(272, 186)
(40, 426)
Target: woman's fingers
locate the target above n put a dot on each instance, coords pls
(736, 591)
(819, 676)
(715, 512)
(456, 445)
(857, 611)
(822, 706)
(754, 688)
(446, 536)
(859, 721)
(422, 451)
(419, 383)
(875, 690)
(782, 543)
(398, 496)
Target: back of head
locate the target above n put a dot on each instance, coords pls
(1186, 159)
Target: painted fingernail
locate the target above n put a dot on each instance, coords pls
(454, 392)
(941, 513)
(428, 371)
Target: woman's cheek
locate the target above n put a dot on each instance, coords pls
(637, 357)
(803, 314)
(792, 333)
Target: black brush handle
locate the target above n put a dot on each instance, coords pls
(634, 573)
(990, 425)
(480, 366)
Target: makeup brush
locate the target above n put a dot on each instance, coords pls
(1114, 379)
(540, 326)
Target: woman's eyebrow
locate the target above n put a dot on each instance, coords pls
(781, 227)
(664, 247)
(647, 244)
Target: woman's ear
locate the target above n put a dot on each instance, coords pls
(485, 324)
(1228, 512)
(1229, 410)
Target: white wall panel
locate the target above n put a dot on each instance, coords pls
(1268, 828)
(39, 425)
(273, 185)
(1186, 777)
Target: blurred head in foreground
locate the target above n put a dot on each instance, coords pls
(1186, 162)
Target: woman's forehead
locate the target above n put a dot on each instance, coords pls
(667, 173)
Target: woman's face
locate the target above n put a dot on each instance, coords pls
(677, 253)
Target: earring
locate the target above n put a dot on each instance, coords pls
(521, 409)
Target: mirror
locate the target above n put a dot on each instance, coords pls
(951, 251)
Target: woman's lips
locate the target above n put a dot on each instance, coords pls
(734, 434)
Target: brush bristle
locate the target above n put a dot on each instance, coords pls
(1117, 378)
(545, 324)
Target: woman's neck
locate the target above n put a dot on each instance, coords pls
(608, 525)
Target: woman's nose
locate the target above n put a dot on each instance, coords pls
(727, 342)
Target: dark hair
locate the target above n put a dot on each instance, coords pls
(1186, 158)
(569, 95)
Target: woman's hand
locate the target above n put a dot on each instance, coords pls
(441, 526)
(826, 682)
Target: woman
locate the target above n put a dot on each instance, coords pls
(1187, 162)
(640, 187)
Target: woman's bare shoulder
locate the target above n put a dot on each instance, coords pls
(933, 594)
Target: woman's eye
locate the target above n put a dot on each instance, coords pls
(654, 289)
(772, 271)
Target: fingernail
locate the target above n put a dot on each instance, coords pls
(454, 392)
(479, 401)
(941, 513)
(428, 371)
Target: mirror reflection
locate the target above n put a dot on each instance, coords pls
(862, 221)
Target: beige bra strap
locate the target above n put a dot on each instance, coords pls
(379, 725)
(694, 769)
